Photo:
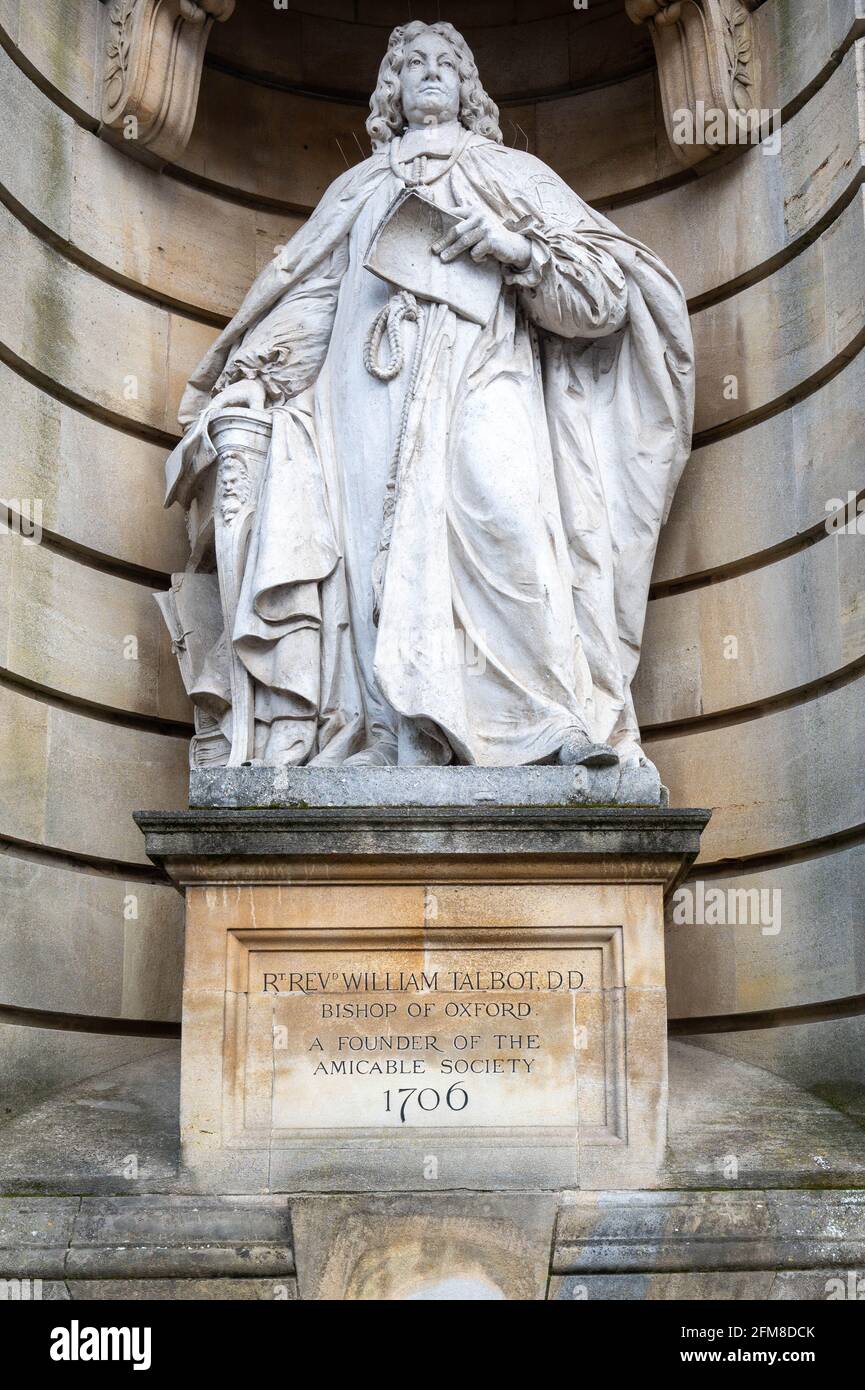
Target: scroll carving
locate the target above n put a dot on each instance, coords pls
(154, 51)
(707, 71)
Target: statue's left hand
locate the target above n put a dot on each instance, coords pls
(484, 235)
(249, 392)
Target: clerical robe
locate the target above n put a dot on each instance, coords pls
(453, 564)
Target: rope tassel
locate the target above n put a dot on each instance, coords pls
(390, 320)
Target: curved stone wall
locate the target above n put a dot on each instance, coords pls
(121, 272)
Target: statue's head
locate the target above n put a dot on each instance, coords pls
(429, 76)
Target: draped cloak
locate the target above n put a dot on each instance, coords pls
(530, 464)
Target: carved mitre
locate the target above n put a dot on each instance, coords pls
(706, 65)
(154, 50)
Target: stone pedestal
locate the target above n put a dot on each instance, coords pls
(423, 998)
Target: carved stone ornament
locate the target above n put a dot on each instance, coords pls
(154, 50)
(707, 72)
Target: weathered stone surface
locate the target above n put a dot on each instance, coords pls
(232, 113)
(826, 1057)
(277, 787)
(35, 148)
(760, 203)
(773, 1244)
(138, 1238)
(786, 934)
(179, 242)
(183, 838)
(604, 142)
(99, 487)
(35, 1234)
(753, 637)
(9, 17)
(234, 1289)
(169, 255)
(177, 1237)
(85, 943)
(762, 798)
(759, 1230)
(36, 1063)
(758, 1285)
(734, 1125)
(85, 633)
(184, 244)
(71, 782)
(424, 1247)
(717, 328)
(152, 57)
(87, 1112)
(773, 335)
(56, 317)
(79, 1139)
(770, 482)
(726, 334)
(796, 41)
(61, 40)
(330, 136)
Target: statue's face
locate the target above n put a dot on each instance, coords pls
(430, 81)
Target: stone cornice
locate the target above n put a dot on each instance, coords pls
(415, 844)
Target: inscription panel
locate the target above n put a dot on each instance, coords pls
(468, 1040)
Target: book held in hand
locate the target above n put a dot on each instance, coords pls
(401, 253)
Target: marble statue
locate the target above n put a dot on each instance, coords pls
(426, 464)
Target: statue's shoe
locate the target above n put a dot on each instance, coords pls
(631, 756)
(377, 755)
(579, 750)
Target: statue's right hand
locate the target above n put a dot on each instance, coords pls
(248, 392)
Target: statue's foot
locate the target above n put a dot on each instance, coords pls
(377, 755)
(579, 750)
(285, 743)
(631, 755)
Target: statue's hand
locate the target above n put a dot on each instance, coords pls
(248, 392)
(484, 235)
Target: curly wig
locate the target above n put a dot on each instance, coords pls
(478, 111)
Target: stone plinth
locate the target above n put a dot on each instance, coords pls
(292, 787)
(423, 998)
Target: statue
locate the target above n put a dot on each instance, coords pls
(426, 464)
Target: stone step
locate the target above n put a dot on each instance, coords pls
(148, 1237)
(771, 1244)
(700, 1231)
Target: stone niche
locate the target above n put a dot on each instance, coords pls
(405, 999)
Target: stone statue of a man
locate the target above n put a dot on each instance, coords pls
(445, 426)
